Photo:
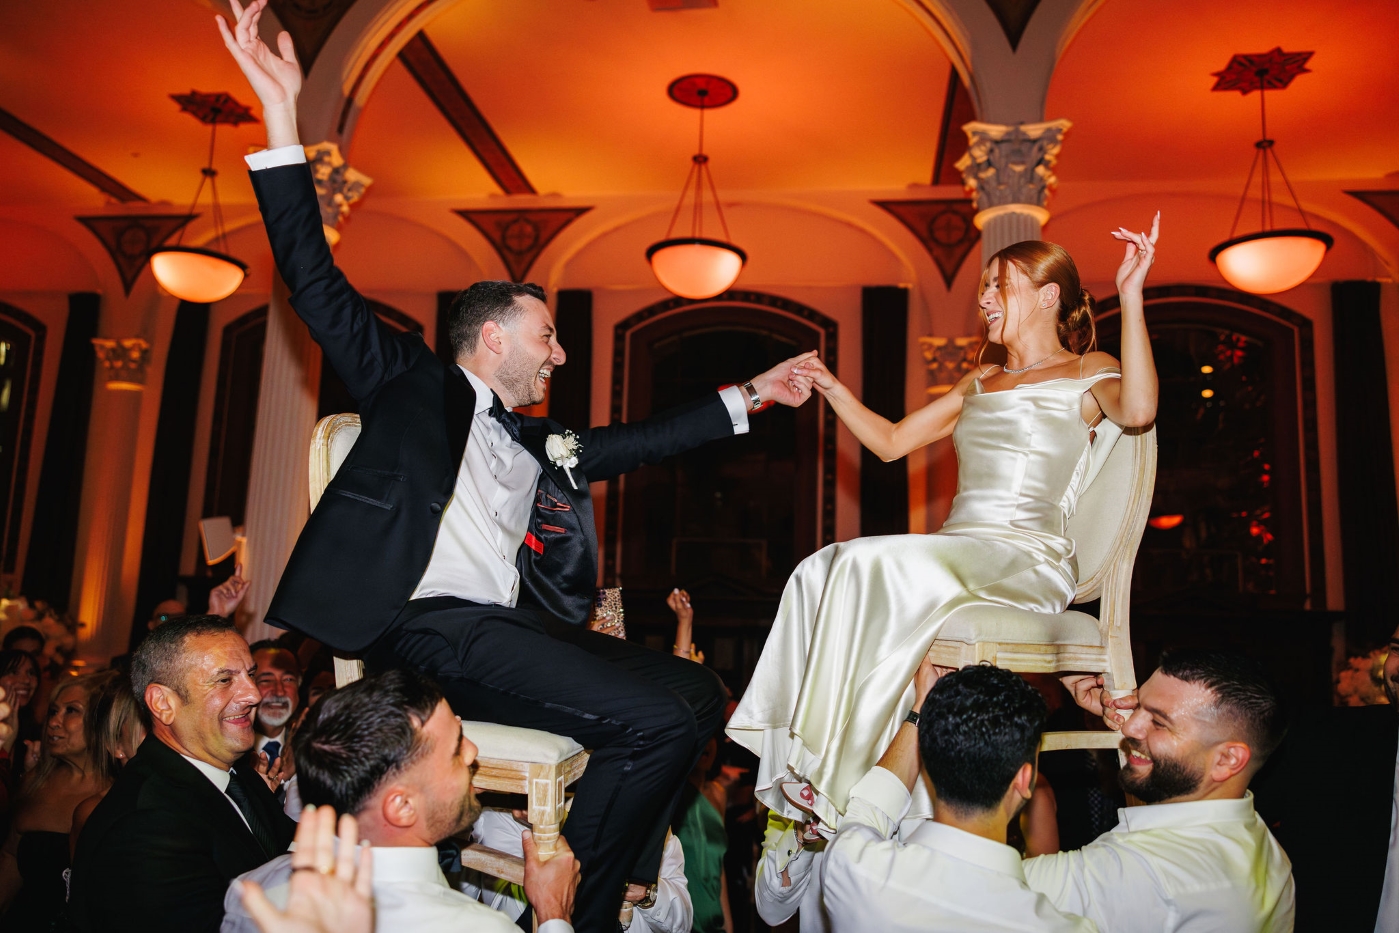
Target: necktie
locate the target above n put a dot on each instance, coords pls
(272, 750)
(261, 831)
(508, 419)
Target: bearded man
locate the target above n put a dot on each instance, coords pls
(458, 538)
(1195, 857)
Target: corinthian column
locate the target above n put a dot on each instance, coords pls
(1008, 170)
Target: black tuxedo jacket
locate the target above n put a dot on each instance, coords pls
(158, 852)
(364, 549)
(1327, 794)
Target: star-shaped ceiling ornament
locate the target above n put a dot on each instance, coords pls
(214, 107)
(1272, 71)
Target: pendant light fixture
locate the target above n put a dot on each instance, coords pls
(697, 266)
(192, 273)
(1273, 259)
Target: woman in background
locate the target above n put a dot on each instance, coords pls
(121, 735)
(73, 765)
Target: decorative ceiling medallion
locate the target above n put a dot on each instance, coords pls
(700, 90)
(1272, 71)
(310, 23)
(1386, 202)
(214, 107)
(519, 236)
(130, 238)
(944, 227)
(1014, 16)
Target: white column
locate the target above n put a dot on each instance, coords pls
(1008, 169)
(278, 496)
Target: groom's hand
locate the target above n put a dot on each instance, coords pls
(781, 386)
(275, 78)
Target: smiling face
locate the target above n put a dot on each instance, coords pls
(279, 682)
(1178, 747)
(444, 776)
(532, 351)
(213, 719)
(1019, 306)
(63, 732)
(19, 684)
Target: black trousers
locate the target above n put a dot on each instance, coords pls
(645, 715)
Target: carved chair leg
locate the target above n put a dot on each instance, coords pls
(546, 807)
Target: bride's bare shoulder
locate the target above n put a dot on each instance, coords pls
(1097, 360)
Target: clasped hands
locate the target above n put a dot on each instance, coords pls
(1088, 692)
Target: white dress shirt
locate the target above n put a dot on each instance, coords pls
(410, 895)
(1200, 867)
(219, 778)
(1388, 919)
(673, 912)
(942, 879)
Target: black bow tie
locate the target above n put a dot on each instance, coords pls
(507, 418)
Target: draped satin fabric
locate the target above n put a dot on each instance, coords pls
(857, 617)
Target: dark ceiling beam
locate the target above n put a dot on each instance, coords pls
(426, 66)
(50, 148)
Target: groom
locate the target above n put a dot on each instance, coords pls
(458, 538)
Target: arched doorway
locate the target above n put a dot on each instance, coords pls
(730, 520)
(21, 358)
(1236, 515)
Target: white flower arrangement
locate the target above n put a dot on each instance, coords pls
(562, 451)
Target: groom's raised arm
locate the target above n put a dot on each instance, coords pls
(361, 350)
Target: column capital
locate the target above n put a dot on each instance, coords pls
(337, 186)
(1008, 169)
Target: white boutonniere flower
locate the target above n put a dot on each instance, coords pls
(562, 451)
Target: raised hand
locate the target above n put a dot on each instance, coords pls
(1141, 253)
(782, 385)
(224, 598)
(276, 78)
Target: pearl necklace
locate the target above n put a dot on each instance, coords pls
(1016, 372)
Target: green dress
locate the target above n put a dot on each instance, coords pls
(700, 830)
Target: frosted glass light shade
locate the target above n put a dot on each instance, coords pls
(1271, 261)
(694, 267)
(197, 275)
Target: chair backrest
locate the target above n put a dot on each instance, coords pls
(1107, 525)
(330, 445)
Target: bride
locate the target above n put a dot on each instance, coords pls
(857, 617)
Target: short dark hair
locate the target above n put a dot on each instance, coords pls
(21, 632)
(361, 735)
(482, 302)
(160, 658)
(12, 659)
(1242, 690)
(977, 728)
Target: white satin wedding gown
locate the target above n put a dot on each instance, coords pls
(857, 617)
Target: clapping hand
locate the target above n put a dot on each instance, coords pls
(1141, 253)
(331, 887)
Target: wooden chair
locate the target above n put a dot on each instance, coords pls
(539, 765)
(1106, 529)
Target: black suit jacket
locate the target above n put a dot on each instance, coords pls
(364, 549)
(158, 852)
(1327, 795)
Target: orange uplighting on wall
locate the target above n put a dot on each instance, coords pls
(1165, 522)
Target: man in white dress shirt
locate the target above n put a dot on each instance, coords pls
(1197, 858)
(978, 731)
(389, 750)
(1387, 921)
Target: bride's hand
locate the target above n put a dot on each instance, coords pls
(815, 371)
(1141, 253)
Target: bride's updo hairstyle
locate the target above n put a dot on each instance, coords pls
(1043, 263)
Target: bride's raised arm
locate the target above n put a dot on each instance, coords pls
(886, 439)
(1131, 401)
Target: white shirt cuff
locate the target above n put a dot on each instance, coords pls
(736, 401)
(882, 789)
(273, 158)
(556, 926)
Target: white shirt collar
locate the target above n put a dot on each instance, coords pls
(1189, 813)
(264, 739)
(399, 864)
(483, 391)
(219, 776)
(960, 844)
